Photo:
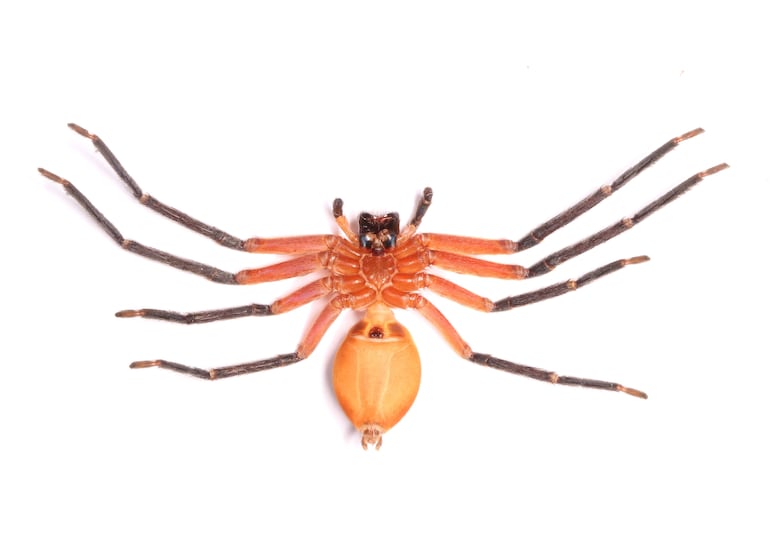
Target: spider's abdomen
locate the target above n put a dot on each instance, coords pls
(376, 374)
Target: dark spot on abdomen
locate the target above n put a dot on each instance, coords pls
(376, 333)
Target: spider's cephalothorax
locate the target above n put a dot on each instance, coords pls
(378, 233)
(377, 367)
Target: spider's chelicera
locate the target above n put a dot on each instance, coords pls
(377, 367)
(377, 232)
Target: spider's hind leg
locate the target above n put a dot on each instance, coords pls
(435, 317)
(306, 346)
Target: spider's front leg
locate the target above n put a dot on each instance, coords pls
(209, 272)
(451, 252)
(300, 245)
(564, 218)
(460, 246)
(221, 237)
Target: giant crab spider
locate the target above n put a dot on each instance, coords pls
(377, 368)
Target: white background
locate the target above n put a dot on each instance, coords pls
(254, 119)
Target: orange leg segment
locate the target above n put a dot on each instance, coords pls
(319, 327)
(412, 259)
(302, 265)
(474, 266)
(457, 293)
(295, 245)
(443, 287)
(466, 245)
(303, 296)
(439, 321)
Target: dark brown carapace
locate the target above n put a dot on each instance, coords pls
(381, 267)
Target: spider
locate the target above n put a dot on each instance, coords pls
(376, 371)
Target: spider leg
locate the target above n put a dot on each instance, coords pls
(183, 219)
(221, 372)
(301, 244)
(439, 321)
(198, 317)
(305, 348)
(417, 257)
(559, 257)
(443, 287)
(478, 246)
(549, 376)
(414, 257)
(301, 265)
(466, 245)
(303, 296)
(463, 296)
(209, 272)
(474, 266)
(295, 267)
(552, 225)
(555, 290)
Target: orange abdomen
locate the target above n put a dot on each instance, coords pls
(376, 374)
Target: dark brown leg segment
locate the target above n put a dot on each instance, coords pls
(302, 296)
(554, 224)
(552, 377)
(209, 272)
(199, 317)
(219, 236)
(559, 257)
(221, 372)
(548, 292)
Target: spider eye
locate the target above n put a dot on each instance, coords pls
(388, 240)
(366, 240)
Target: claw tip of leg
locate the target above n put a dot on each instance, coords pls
(634, 392)
(51, 176)
(714, 170)
(144, 364)
(637, 259)
(129, 313)
(690, 134)
(80, 131)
